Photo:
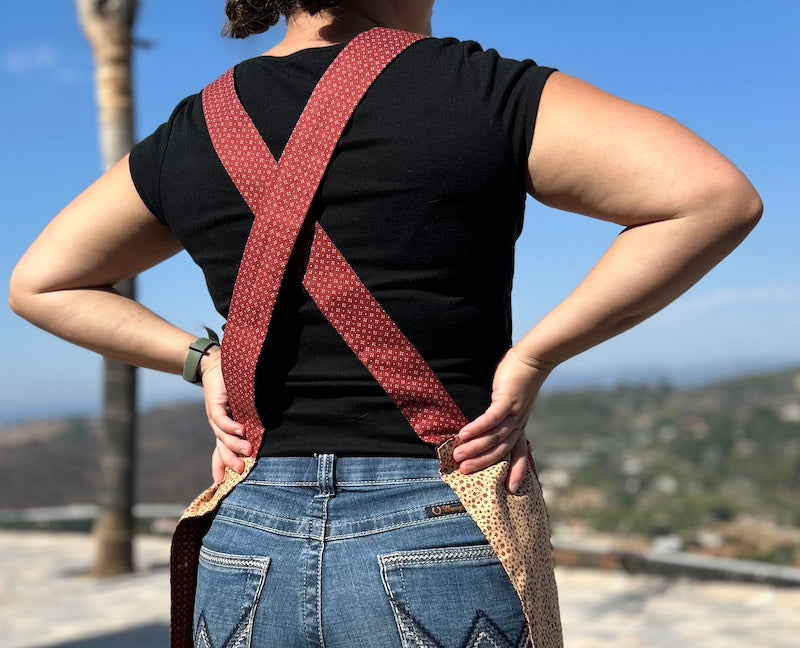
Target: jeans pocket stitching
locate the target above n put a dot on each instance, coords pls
(439, 554)
(241, 633)
(412, 630)
(219, 559)
(394, 604)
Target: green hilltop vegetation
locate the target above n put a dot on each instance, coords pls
(654, 460)
(632, 460)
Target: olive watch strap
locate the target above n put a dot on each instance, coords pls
(197, 350)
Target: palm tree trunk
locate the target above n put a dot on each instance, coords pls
(108, 26)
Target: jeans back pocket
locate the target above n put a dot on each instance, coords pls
(453, 597)
(228, 591)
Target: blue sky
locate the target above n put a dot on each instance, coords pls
(727, 69)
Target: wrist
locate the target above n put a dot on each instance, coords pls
(199, 351)
(533, 362)
(211, 358)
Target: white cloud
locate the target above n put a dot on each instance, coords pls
(39, 58)
(754, 295)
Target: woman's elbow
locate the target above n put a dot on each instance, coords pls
(720, 210)
(742, 206)
(17, 293)
(727, 201)
(755, 209)
(22, 292)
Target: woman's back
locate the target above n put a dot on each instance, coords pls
(424, 198)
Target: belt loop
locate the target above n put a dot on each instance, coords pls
(325, 474)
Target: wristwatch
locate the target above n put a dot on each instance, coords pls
(197, 350)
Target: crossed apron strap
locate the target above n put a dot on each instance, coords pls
(280, 194)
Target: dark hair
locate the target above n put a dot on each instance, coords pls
(246, 17)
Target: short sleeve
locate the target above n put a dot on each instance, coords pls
(146, 160)
(511, 91)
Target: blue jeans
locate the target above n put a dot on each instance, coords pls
(351, 552)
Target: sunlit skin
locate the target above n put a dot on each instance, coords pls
(683, 205)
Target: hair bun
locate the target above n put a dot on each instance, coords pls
(246, 17)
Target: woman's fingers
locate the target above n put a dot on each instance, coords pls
(229, 458)
(492, 417)
(232, 442)
(218, 408)
(221, 418)
(518, 451)
(217, 467)
(486, 442)
(488, 458)
(228, 432)
(516, 470)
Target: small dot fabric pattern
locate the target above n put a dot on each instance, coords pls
(279, 194)
(379, 344)
(517, 528)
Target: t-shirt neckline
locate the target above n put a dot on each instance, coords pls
(306, 50)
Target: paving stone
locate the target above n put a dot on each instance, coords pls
(48, 600)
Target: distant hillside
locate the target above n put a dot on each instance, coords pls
(54, 462)
(695, 462)
(631, 459)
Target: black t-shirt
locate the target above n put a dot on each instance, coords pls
(424, 197)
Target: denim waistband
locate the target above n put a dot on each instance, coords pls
(328, 470)
(332, 497)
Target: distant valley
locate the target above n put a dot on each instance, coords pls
(716, 466)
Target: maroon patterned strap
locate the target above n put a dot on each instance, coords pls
(280, 194)
(380, 345)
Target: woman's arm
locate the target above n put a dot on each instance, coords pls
(684, 207)
(64, 284)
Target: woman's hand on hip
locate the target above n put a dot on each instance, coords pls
(231, 444)
(500, 430)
